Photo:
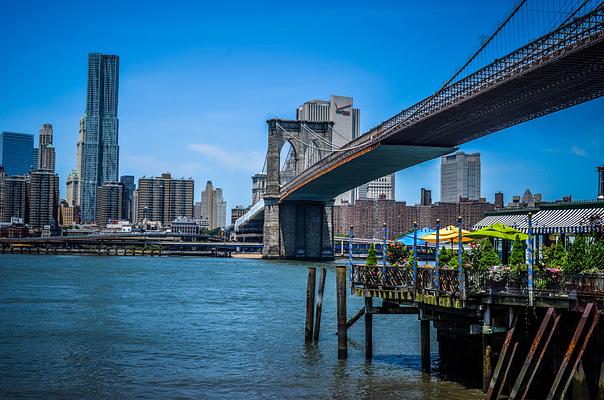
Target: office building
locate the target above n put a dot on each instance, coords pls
(109, 203)
(14, 198)
(381, 188)
(43, 198)
(16, 153)
(128, 198)
(73, 189)
(346, 127)
(97, 148)
(527, 200)
(459, 177)
(68, 215)
(499, 200)
(425, 197)
(162, 199)
(238, 212)
(46, 149)
(213, 206)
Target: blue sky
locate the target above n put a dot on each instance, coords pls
(198, 80)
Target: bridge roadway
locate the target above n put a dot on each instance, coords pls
(554, 72)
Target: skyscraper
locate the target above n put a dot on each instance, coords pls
(425, 197)
(16, 153)
(98, 151)
(46, 150)
(213, 206)
(73, 189)
(459, 177)
(43, 195)
(128, 198)
(109, 203)
(164, 198)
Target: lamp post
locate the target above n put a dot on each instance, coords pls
(436, 266)
(530, 259)
(385, 238)
(460, 278)
(414, 254)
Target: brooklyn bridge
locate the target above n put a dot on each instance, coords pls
(529, 67)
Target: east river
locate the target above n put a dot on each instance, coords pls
(83, 327)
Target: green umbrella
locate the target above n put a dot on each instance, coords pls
(498, 231)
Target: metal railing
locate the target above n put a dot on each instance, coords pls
(498, 282)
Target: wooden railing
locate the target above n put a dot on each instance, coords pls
(550, 284)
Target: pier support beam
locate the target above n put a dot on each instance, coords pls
(425, 344)
(368, 328)
(341, 304)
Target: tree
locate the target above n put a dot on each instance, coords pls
(517, 262)
(371, 256)
(578, 254)
(488, 257)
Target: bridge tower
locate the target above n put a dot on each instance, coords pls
(296, 229)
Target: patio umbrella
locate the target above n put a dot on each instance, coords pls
(407, 240)
(498, 231)
(448, 234)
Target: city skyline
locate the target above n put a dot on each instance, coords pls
(173, 118)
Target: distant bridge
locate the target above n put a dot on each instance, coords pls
(551, 72)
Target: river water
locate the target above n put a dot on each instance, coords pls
(78, 327)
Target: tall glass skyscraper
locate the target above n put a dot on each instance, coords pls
(16, 153)
(98, 151)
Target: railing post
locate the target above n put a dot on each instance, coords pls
(530, 259)
(436, 266)
(384, 270)
(414, 258)
(460, 278)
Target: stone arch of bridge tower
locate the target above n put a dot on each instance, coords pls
(304, 145)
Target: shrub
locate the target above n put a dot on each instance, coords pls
(454, 260)
(371, 256)
(397, 254)
(517, 262)
(488, 257)
(444, 256)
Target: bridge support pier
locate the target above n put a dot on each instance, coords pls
(298, 230)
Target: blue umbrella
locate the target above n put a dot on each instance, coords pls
(407, 240)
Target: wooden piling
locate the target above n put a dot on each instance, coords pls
(368, 328)
(319, 304)
(341, 305)
(425, 345)
(310, 304)
(487, 366)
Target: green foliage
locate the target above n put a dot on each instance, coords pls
(371, 255)
(397, 254)
(555, 256)
(517, 262)
(488, 256)
(444, 257)
(210, 232)
(585, 254)
(454, 260)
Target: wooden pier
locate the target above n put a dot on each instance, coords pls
(486, 331)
